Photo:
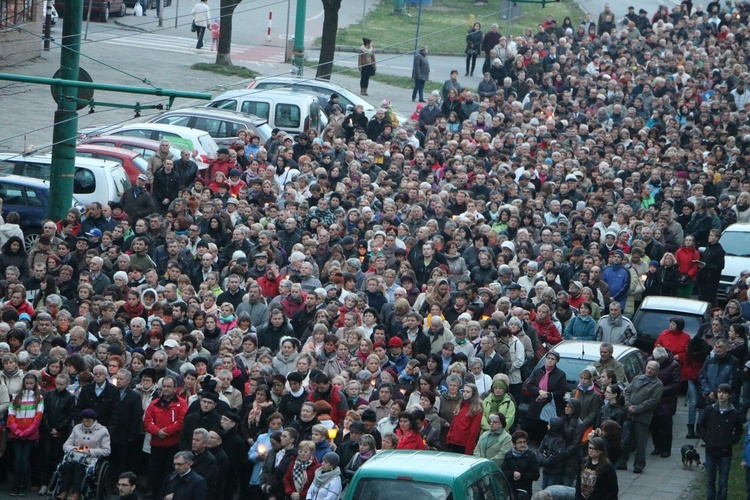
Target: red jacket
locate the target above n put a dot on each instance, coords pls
(548, 330)
(170, 418)
(270, 288)
(289, 478)
(339, 406)
(464, 430)
(685, 257)
(676, 342)
(411, 441)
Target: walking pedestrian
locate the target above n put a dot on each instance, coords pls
(420, 73)
(367, 65)
(201, 18)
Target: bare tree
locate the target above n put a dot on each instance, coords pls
(226, 11)
(328, 41)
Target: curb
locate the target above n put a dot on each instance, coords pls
(349, 48)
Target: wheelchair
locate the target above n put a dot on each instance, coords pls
(95, 478)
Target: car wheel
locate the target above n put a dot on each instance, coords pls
(30, 238)
(105, 14)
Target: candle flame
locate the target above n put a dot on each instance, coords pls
(332, 433)
(261, 448)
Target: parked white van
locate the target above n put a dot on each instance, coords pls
(291, 110)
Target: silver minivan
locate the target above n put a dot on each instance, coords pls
(290, 110)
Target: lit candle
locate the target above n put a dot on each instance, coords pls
(332, 433)
(373, 382)
(402, 391)
(261, 448)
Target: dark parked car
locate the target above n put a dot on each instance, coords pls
(652, 318)
(100, 9)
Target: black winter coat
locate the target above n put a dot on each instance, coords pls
(137, 207)
(130, 410)
(713, 256)
(106, 405)
(558, 385)
(720, 430)
(667, 280)
(527, 464)
(59, 410)
(670, 375)
(554, 450)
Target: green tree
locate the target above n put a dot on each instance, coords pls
(328, 40)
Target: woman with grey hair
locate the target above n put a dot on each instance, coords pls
(670, 375)
(481, 379)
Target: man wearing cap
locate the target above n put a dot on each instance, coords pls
(206, 417)
(222, 164)
(137, 201)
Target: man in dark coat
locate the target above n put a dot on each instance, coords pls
(126, 442)
(206, 418)
(186, 169)
(103, 398)
(137, 201)
(234, 447)
(166, 186)
(184, 483)
(710, 274)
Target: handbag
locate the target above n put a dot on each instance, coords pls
(193, 27)
(549, 410)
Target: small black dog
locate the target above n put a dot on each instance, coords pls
(690, 455)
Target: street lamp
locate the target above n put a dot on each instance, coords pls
(419, 21)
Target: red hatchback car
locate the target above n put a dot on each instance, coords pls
(133, 162)
(145, 147)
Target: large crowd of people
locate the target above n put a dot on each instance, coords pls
(264, 327)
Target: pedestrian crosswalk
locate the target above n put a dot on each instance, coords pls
(184, 45)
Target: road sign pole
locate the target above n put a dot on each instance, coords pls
(419, 21)
(299, 38)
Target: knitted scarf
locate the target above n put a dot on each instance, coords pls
(300, 473)
(322, 478)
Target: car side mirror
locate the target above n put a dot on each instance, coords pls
(522, 495)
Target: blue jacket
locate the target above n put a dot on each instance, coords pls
(746, 451)
(618, 279)
(581, 328)
(719, 370)
(254, 456)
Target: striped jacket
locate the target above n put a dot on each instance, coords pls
(24, 418)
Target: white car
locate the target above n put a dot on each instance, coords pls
(198, 141)
(103, 181)
(735, 240)
(322, 88)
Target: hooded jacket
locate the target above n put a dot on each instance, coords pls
(720, 429)
(573, 433)
(285, 364)
(527, 463)
(554, 450)
(618, 279)
(581, 328)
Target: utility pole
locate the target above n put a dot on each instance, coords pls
(66, 117)
(298, 64)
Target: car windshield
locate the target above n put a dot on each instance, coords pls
(650, 324)
(382, 489)
(736, 244)
(142, 163)
(121, 180)
(572, 368)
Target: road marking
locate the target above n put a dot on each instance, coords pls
(315, 16)
(184, 45)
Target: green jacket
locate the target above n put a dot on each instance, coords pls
(506, 406)
(493, 446)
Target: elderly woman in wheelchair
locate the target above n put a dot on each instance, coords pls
(88, 442)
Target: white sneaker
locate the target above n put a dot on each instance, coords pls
(42, 491)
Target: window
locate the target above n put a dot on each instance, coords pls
(225, 104)
(287, 116)
(143, 134)
(370, 488)
(214, 127)
(503, 488)
(84, 181)
(259, 109)
(121, 180)
(13, 12)
(175, 120)
(482, 490)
